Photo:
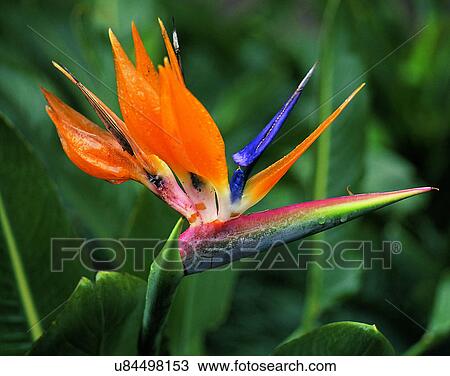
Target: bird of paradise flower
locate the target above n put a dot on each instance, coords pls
(169, 142)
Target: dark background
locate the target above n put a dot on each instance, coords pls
(242, 59)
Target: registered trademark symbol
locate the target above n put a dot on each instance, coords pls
(396, 247)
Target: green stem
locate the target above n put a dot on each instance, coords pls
(164, 277)
(19, 273)
(314, 280)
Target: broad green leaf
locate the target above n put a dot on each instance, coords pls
(439, 326)
(101, 318)
(339, 338)
(30, 216)
(201, 304)
(165, 275)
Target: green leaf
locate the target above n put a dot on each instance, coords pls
(30, 216)
(101, 318)
(439, 326)
(201, 304)
(339, 338)
(440, 318)
(165, 275)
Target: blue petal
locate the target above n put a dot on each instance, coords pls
(237, 183)
(250, 153)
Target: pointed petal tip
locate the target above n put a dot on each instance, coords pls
(134, 30)
(419, 190)
(425, 189)
(65, 72)
(171, 52)
(115, 44)
(240, 159)
(49, 97)
(357, 90)
(112, 38)
(43, 90)
(313, 68)
(307, 77)
(163, 28)
(251, 152)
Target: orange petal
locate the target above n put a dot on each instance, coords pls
(199, 133)
(92, 149)
(199, 190)
(201, 139)
(171, 52)
(180, 160)
(140, 106)
(144, 64)
(259, 185)
(111, 121)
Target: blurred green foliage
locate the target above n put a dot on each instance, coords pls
(242, 59)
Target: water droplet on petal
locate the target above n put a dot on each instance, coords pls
(344, 218)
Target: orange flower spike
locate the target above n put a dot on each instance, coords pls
(171, 52)
(92, 149)
(144, 64)
(259, 185)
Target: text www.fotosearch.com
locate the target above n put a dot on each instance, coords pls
(186, 366)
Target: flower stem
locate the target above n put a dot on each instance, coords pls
(314, 279)
(164, 277)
